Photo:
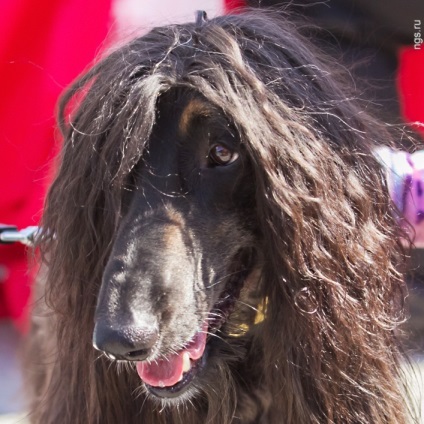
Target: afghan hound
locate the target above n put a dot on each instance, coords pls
(219, 242)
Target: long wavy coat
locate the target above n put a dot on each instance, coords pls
(217, 196)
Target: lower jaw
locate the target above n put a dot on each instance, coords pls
(178, 389)
(226, 306)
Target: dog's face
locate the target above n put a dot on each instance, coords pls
(186, 248)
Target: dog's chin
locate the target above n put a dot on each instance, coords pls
(184, 389)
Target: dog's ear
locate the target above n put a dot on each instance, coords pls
(331, 246)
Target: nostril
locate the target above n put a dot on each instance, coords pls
(130, 342)
(137, 355)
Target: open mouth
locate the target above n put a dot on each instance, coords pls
(170, 376)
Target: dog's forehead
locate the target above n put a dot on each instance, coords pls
(177, 141)
(185, 123)
(194, 108)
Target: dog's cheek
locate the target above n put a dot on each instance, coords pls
(227, 244)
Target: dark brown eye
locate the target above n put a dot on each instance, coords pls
(221, 155)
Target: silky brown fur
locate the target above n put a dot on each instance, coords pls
(327, 351)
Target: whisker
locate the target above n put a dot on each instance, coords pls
(247, 305)
(220, 280)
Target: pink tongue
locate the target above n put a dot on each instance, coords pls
(168, 371)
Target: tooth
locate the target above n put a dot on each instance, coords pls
(186, 362)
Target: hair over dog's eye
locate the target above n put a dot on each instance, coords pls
(221, 155)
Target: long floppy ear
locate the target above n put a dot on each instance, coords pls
(336, 295)
(330, 243)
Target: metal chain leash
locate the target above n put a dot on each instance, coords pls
(11, 234)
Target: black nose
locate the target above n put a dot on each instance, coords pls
(131, 343)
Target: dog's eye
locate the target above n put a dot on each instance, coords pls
(221, 155)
